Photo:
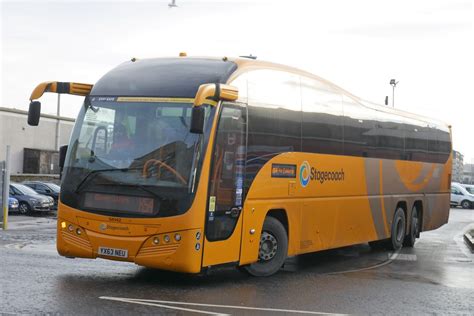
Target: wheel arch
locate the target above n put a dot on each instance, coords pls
(418, 204)
(280, 214)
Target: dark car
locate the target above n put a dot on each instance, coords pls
(12, 204)
(45, 188)
(29, 200)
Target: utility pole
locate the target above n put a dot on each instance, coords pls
(393, 83)
(6, 189)
(58, 123)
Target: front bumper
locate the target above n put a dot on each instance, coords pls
(42, 207)
(183, 255)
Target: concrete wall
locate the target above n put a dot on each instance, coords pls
(15, 131)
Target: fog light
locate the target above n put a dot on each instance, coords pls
(166, 238)
(70, 228)
(78, 231)
(156, 240)
(177, 237)
(63, 225)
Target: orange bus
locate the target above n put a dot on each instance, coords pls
(186, 163)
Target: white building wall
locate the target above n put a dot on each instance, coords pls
(15, 131)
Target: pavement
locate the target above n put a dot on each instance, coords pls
(434, 277)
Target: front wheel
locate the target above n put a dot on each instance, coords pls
(398, 230)
(273, 249)
(466, 204)
(24, 208)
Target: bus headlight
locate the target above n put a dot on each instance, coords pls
(166, 238)
(177, 237)
(156, 240)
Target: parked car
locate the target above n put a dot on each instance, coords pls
(45, 188)
(461, 197)
(469, 188)
(29, 200)
(12, 204)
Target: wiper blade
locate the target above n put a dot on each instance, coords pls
(140, 186)
(95, 172)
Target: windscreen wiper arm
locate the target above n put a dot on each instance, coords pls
(95, 172)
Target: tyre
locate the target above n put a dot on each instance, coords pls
(397, 234)
(272, 251)
(414, 228)
(466, 204)
(24, 208)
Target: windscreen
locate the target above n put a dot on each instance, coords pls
(134, 157)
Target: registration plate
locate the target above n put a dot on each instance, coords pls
(113, 252)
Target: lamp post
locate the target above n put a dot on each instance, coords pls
(393, 83)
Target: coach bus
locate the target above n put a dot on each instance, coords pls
(186, 163)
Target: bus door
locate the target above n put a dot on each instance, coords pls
(224, 208)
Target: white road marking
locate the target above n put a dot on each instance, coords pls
(161, 302)
(134, 301)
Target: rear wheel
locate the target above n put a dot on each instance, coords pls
(414, 228)
(398, 230)
(24, 208)
(466, 204)
(273, 249)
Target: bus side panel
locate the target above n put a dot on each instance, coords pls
(356, 207)
(255, 211)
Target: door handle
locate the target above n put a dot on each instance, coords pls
(233, 212)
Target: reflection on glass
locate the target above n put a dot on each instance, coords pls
(134, 148)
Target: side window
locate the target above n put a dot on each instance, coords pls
(322, 119)
(359, 129)
(274, 124)
(416, 141)
(227, 174)
(390, 136)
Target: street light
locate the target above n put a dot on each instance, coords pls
(393, 83)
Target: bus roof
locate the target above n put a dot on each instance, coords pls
(181, 77)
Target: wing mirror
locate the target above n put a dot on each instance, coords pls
(62, 159)
(34, 113)
(212, 91)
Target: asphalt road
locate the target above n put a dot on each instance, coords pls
(435, 277)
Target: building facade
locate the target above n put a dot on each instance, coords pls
(468, 176)
(458, 167)
(32, 141)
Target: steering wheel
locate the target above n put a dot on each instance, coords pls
(164, 165)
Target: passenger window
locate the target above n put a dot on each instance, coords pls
(322, 119)
(359, 129)
(390, 136)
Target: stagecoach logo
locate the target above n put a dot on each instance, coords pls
(304, 174)
(308, 173)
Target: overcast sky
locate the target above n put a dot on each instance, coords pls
(358, 45)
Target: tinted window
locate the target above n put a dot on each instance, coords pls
(322, 120)
(274, 124)
(390, 136)
(359, 129)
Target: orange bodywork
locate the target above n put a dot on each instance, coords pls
(321, 214)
